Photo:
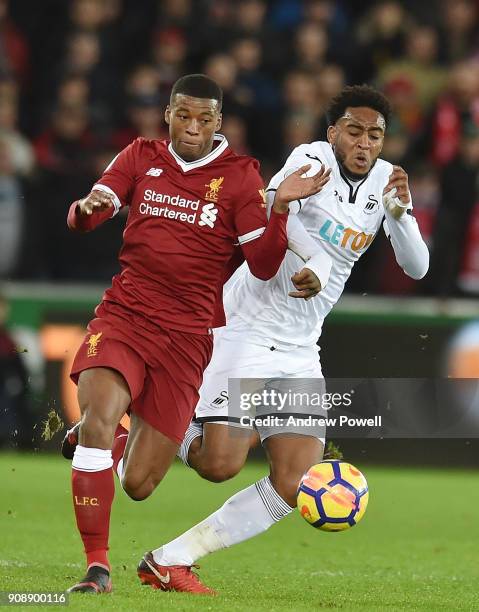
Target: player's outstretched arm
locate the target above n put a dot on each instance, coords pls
(264, 250)
(400, 226)
(85, 214)
(315, 275)
(296, 186)
(110, 193)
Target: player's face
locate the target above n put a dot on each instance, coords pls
(193, 123)
(357, 139)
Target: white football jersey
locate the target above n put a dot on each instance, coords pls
(343, 219)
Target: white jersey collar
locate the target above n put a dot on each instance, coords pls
(214, 154)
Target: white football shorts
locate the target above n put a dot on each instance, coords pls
(240, 354)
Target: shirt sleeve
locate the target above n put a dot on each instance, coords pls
(118, 180)
(304, 246)
(263, 242)
(313, 254)
(409, 248)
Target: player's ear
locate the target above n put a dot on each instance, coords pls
(167, 114)
(219, 121)
(332, 134)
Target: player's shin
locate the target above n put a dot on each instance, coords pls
(243, 516)
(93, 491)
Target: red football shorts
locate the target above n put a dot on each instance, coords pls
(163, 368)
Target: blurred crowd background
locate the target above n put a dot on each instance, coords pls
(79, 79)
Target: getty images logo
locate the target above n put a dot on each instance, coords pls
(208, 215)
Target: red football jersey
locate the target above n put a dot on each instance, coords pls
(184, 220)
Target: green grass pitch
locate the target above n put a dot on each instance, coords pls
(416, 548)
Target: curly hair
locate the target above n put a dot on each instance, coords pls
(358, 95)
(197, 86)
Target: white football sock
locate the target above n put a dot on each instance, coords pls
(91, 459)
(194, 430)
(246, 514)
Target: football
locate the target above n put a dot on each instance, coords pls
(333, 496)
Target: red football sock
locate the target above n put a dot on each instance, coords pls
(119, 443)
(93, 494)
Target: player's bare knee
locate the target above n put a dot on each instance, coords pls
(136, 489)
(139, 484)
(136, 494)
(218, 469)
(95, 431)
(214, 473)
(132, 480)
(104, 397)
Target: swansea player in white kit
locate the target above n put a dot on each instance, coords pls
(271, 335)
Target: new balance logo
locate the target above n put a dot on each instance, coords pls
(154, 172)
(208, 215)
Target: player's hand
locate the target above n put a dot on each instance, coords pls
(307, 284)
(398, 180)
(95, 201)
(296, 186)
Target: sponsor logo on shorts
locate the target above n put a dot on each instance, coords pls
(221, 399)
(93, 342)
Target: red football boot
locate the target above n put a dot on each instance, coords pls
(171, 577)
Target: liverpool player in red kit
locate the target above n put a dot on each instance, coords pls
(191, 200)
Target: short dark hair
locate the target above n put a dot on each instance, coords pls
(358, 95)
(198, 86)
